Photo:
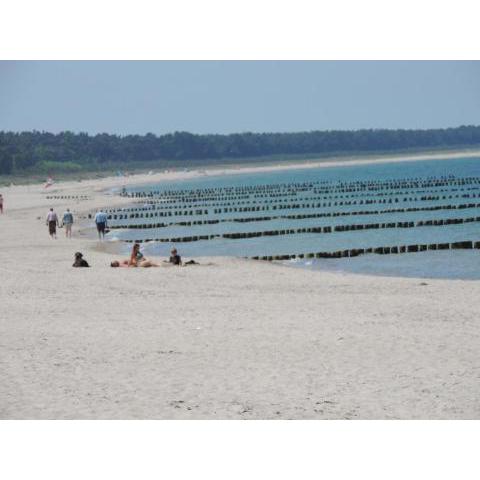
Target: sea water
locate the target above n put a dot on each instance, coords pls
(317, 192)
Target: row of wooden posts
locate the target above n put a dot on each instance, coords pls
(67, 197)
(150, 213)
(218, 197)
(355, 252)
(293, 217)
(338, 186)
(173, 202)
(320, 229)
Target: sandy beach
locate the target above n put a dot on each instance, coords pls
(228, 339)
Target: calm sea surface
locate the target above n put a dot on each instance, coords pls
(276, 209)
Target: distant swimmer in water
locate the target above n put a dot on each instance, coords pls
(80, 261)
(52, 222)
(101, 220)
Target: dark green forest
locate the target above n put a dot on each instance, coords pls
(39, 152)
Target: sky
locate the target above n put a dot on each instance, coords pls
(136, 97)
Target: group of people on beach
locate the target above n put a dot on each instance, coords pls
(137, 259)
(53, 222)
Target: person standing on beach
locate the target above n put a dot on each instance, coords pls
(67, 222)
(1, 203)
(101, 222)
(52, 222)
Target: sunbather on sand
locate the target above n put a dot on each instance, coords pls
(136, 260)
(127, 264)
(119, 263)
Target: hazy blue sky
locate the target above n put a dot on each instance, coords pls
(225, 97)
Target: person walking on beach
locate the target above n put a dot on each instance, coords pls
(1, 204)
(67, 222)
(101, 222)
(52, 222)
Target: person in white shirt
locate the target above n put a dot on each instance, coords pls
(52, 222)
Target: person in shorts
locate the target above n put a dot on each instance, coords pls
(67, 223)
(101, 222)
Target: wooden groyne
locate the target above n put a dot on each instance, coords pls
(317, 187)
(68, 197)
(318, 230)
(285, 217)
(347, 199)
(392, 250)
(142, 212)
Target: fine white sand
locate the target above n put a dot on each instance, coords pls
(230, 338)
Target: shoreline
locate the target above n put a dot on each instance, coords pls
(228, 339)
(327, 162)
(141, 179)
(102, 189)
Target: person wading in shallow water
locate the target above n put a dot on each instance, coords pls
(52, 222)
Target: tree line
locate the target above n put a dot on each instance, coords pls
(33, 152)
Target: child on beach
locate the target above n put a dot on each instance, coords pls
(52, 222)
(175, 258)
(67, 223)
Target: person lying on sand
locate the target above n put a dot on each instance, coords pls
(119, 263)
(126, 264)
(79, 261)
